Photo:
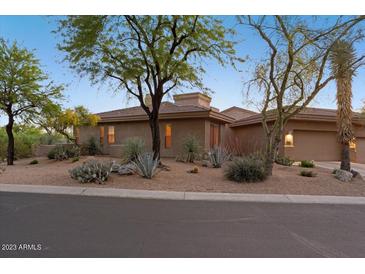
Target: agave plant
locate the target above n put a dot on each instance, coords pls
(145, 165)
(92, 171)
(217, 156)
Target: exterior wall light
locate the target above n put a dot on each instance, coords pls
(289, 140)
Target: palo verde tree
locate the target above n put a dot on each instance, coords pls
(143, 55)
(342, 59)
(25, 91)
(296, 67)
(66, 121)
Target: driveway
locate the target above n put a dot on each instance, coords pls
(332, 165)
(42, 225)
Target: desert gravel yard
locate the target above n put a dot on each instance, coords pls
(284, 181)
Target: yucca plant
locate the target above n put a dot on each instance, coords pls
(132, 148)
(342, 59)
(217, 156)
(145, 165)
(191, 148)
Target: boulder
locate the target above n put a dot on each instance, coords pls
(115, 167)
(126, 169)
(356, 174)
(343, 175)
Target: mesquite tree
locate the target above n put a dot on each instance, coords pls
(25, 92)
(295, 69)
(143, 55)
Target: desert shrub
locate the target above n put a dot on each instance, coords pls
(61, 152)
(284, 160)
(92, 171)
(75, 159)
(52, 139)
(307, 173)
(217, 156)
(92, 147)
(307, 163)
(34, 162)
(132, 148)
(250, 168)
(145, 165)
(191, 148)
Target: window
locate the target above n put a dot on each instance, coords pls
(352, 144)
(111, 136)
(289, 140)
(214, 135)
(168, 130)
(101, 135)
(77, 135)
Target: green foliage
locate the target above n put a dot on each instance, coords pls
(132, 147)
(34, 162)
(91, 147)
(92, 171)
(284, 160)
(307, 164)
(191, 148)
(218, 156)
(75, 159)
(307, 173)
(63, 152)
(51, 139)
(145, 165)
(246, 169)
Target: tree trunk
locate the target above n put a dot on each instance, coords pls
(345, 157)
(272, 148)
(9, 132)
(155, 131)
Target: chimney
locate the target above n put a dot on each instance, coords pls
(193, 99)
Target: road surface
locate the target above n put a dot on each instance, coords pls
(40, 225)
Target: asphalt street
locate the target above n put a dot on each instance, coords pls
(42, 225)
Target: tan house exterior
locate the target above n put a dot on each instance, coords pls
(310, 135)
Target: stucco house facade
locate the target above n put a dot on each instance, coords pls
(310, 135)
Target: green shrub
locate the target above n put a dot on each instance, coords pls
(63, 152)
(284, 160)
(191, 148)
(145, 165)
(307, 163)
(307, 173)
(92, 147)
(75, 159)
(92, 171)
(132, 148)
(246, 169)
(34, 162)
(217, 157)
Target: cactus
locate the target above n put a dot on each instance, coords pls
(92, 171)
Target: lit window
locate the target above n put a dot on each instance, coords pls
(352, 144)
(111, 136)
(101, 135)
(289, 140)
(168, 130)
(214, 135)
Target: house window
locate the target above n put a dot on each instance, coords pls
(214, 135)
(168, 130)
(289, 140)
(111, 136)
(101, 135)
(352, 144)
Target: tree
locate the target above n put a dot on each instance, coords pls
(151, 55)
(66, 121)
(342, 58)
(25, 92)
(296, 68)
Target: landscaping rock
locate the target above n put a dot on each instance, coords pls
(126, 169)
(343, 175)
(195, 169)
(115, 167)
(356, 174)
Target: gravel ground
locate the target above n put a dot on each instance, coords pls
(284, 181)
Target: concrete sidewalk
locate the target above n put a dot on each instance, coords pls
(172, 195)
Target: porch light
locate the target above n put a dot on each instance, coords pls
(289, 140)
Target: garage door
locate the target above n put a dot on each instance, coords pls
(314, 145)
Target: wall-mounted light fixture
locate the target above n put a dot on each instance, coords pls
(289, 139)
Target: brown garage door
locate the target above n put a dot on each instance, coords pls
(315, 145)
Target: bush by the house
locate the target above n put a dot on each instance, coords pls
(284, 160)
(307, 173)
(61, 152)
(191, 148)
(91, 147)
(307, 163)
(132, 147)
(217, 156)
(34, 162)
(145, 165)
(246, 169)
(92, 171)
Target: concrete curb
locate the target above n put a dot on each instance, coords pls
(187, 196)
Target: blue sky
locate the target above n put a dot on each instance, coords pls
(35, 32)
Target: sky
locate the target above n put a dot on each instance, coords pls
(35, 33)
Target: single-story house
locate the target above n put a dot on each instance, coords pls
(310, 135)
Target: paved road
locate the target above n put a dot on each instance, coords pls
(74, 226)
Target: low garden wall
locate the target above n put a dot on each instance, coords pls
(42, 150)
